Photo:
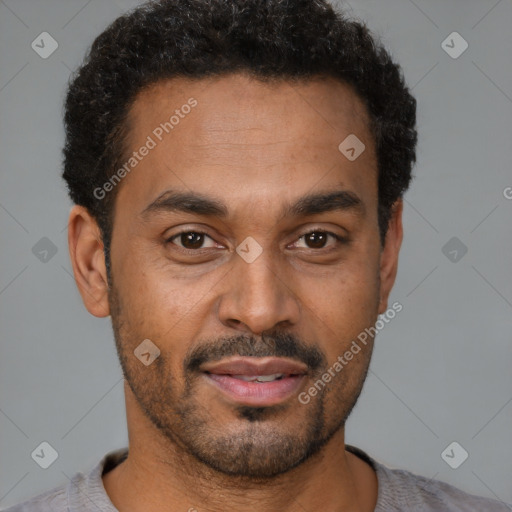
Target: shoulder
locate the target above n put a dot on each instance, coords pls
(400, 490)
(408, 491)
(81, 492)
(53, 500)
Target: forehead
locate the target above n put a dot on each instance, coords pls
(246, 139)
(237, 102)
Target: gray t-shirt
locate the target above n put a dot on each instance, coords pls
(398, 491)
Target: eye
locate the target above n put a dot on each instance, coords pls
(190, 240)
(318, 238)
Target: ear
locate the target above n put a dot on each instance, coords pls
(389, 254)
(88, 261)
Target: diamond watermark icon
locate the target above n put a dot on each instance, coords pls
(454, 249)
(454, 45)
(147, 352)
(351, 147)
(454, 455)
(249, 249)
(44, 455)
(44, 45)
(44, 250)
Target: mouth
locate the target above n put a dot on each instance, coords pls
(260, 378)
(256, 381)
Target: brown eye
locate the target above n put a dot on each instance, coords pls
(190, 240)
(318, 239)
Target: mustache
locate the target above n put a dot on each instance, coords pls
(277, 344)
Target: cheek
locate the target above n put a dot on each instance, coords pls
(343, 306)
(149, 289)
(159, 305)
(349, 292)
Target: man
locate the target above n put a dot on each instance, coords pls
(238, 170)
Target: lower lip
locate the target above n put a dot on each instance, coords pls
(257, 393)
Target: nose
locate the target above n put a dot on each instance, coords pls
(258, 296)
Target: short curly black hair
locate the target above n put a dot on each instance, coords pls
(268, 39)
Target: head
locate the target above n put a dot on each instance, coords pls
(218, 213)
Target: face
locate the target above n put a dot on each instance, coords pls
(246, 244)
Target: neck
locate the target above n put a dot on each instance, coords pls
(159, 474)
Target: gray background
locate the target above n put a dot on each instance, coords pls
(441, 368)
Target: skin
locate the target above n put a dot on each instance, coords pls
(255, 147)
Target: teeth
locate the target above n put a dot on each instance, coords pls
(259, 378)
(244, 377)
(269, 378)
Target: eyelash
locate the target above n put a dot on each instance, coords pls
(340, 239)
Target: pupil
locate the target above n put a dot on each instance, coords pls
(317, 239)
(194, 240)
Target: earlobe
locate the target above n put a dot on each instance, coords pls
(88, 261)
(389, 254)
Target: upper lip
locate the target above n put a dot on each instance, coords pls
(255, 366)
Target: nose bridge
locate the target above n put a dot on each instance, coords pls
(258, 295)
(259, 279)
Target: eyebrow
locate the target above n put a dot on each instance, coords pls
(310, 204)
